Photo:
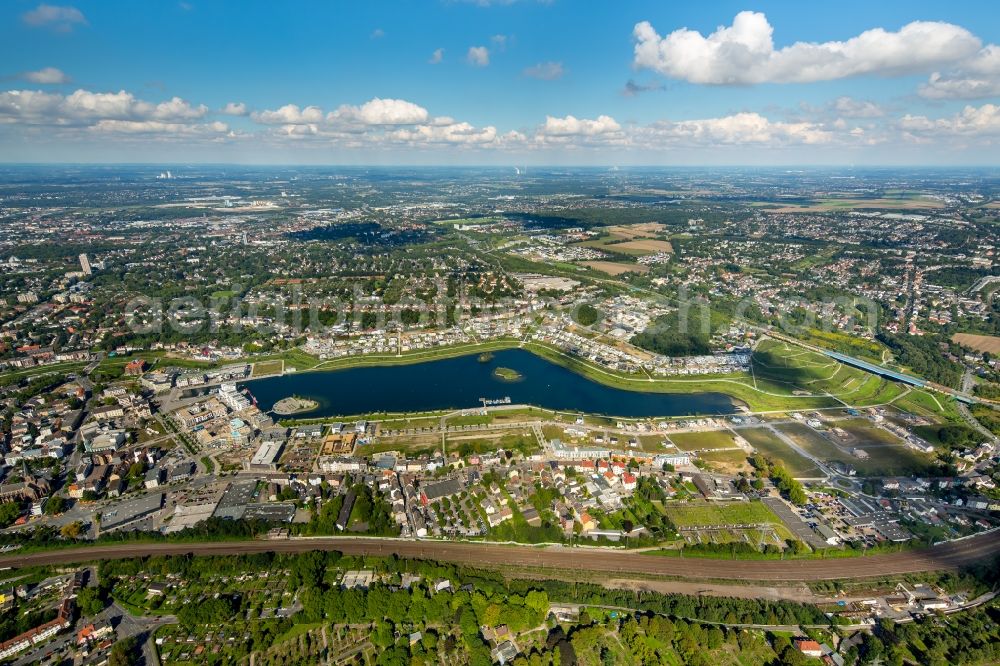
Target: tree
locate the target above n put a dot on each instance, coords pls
(587, 314)
(89, 601)
(72, 530)
(55, 505)
(125, 652)
(9, 512)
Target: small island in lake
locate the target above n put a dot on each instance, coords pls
(485, 357)
(508, 375)
(294, 405)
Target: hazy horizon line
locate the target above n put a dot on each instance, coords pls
(789, 165)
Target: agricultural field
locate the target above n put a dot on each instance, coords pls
(769, 444)
(638, 247)
(643, 247)
(615, 268)
(701, 441)
(639, 230)
(980, 343)
(265, 368)
(906, 201)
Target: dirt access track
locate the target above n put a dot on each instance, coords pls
(950, 556)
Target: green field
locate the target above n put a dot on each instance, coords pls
(712, 439)
(924, 403)
(717, 514)
(769, 444)
(887, 456)
(265, 368)
(779, 366)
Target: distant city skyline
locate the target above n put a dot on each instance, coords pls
(507, 82)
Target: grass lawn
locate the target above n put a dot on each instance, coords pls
(712, 439)
(265, 368)
(813, 442)
(801, 371)
(924, 403)
(413, 445)
(887, 456)
(717, 514)
(470, 419)
(296, 631)
(770, 445)
(521, 440)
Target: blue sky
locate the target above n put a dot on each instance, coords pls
(512, 82)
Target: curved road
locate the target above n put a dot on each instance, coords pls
(950, 556)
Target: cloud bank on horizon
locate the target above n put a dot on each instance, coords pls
(946, 80)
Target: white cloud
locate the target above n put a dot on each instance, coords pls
(453, 133)
(82, 107)
(976, 78)
(46, 76)
(290, 114)
(378, 33)
(437, 56)
(744, 52)
(742, 128)
(546, 71)
(478, 56)
(58, 18)
(382, 123)
(382, 112)
(235, 109)
(159, 127)
(573, 126)
(849, 107)
(983, 121)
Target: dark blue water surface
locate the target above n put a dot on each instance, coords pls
(460, 382)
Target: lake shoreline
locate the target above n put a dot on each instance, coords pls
(462, 382)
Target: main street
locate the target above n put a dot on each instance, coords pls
(951, 556)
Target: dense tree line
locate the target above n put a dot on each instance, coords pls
(781, 477)
(968, 638)
(923, 355)
(673, 335)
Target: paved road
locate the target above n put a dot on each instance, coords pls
(950, 556)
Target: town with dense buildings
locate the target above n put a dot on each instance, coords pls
(181, 362)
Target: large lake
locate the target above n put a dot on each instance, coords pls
(460, 382)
